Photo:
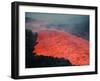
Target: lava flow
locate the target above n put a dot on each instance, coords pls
(60, 44)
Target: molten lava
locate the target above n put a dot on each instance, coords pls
(62, 44)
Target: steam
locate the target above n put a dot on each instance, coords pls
(78, 29)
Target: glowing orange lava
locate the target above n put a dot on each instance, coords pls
(62, 44)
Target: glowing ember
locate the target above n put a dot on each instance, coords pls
(61, 44)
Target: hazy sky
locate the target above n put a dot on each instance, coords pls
(58, 18)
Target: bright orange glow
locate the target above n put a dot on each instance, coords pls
(62, 44)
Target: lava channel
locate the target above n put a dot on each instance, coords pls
(60, 44)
